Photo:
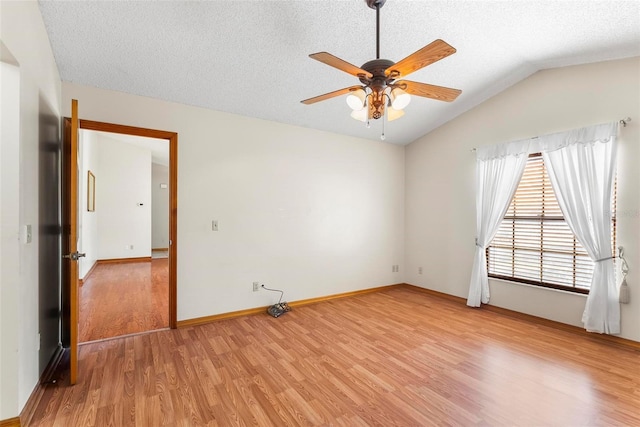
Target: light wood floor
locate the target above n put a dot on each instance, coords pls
(393, 358)
(124, 298)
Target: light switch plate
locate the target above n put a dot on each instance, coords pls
(27, 237)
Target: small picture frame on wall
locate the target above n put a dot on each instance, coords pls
(91, 192)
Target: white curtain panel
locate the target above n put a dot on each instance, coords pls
(499, 169)
(581, 166)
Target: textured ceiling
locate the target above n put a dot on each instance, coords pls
(251, 57)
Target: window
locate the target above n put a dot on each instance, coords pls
(534, 244)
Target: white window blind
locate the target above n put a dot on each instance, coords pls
(534, 244)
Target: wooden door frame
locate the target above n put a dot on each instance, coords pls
(172, 138)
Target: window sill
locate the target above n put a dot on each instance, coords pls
(542, 288)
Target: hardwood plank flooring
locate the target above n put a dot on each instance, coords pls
(394, 358)
(124, 298)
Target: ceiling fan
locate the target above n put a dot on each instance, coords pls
(379, 77)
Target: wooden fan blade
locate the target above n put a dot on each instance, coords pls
(340, 64)
(429, 54)
(440, 93)
(330, 95)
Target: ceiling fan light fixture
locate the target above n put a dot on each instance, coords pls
(360, 115)
(399, 98)
(393, 114)
(356, 99)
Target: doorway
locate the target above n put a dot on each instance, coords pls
(123, 230)
(92, 201)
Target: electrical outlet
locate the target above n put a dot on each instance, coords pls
(256, 286)
(395, 268)
(419, 270)
(214, 225)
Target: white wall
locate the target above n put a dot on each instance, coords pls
(88, 224)
(123, 179)
(123, 199)
(9, 240)
(440, 177)
(159, 206)
(28, 253)
(39, 79)
(309, 212)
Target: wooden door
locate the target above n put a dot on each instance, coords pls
(72, 256)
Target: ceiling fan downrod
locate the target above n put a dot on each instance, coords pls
(377, 31)
(376, 4)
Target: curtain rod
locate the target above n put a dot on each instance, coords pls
(623, 122)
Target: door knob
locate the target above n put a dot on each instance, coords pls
(74, 256)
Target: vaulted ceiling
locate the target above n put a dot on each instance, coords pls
(251, 57)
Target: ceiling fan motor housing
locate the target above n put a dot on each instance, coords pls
(377, 67)
(378, 83)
